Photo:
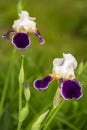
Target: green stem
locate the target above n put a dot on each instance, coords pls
(19, 8)
(50, 113)
(20, 5)
(19, 125)
(53, 112)
(20, 106)
(21, 81)
(6, 82)
(20, 98)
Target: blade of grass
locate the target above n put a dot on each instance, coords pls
(6, 82)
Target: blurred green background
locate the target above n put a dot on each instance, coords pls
(63, 23)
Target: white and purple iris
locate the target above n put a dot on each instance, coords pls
(63, 71)
(21, 30)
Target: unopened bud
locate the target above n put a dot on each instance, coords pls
(24, 113)
(21, 73)
(57, 98)
(37, 123)
(27, 92)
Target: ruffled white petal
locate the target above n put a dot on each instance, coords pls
(24, 23)
(64, 67)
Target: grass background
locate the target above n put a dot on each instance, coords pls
(64, 27)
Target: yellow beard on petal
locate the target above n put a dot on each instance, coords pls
(55, 76)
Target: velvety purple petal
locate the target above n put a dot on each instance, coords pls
(38, 34)
(41, 84)
(21, 40)
(7, 35)
(71, 89)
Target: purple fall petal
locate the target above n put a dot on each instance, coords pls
(42, 41)
(7, 35)
(38, 34)
(21, 40)
(41, 84)
(71, 89)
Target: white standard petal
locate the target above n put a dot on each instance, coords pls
(64, 67)
(24, 23)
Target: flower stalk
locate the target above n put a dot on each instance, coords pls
(57, 103)
(51, 115)
(21, 81)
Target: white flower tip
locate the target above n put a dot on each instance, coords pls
(71, 59)
(64, 67)
(58, 61)
(25, 23)
(25, 14)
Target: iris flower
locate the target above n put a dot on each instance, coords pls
(63, 72)
(21, 30)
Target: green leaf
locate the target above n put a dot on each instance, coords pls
(80, 68)
(82, 77)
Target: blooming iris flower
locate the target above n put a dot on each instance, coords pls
(63, 71)
(21, 30)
